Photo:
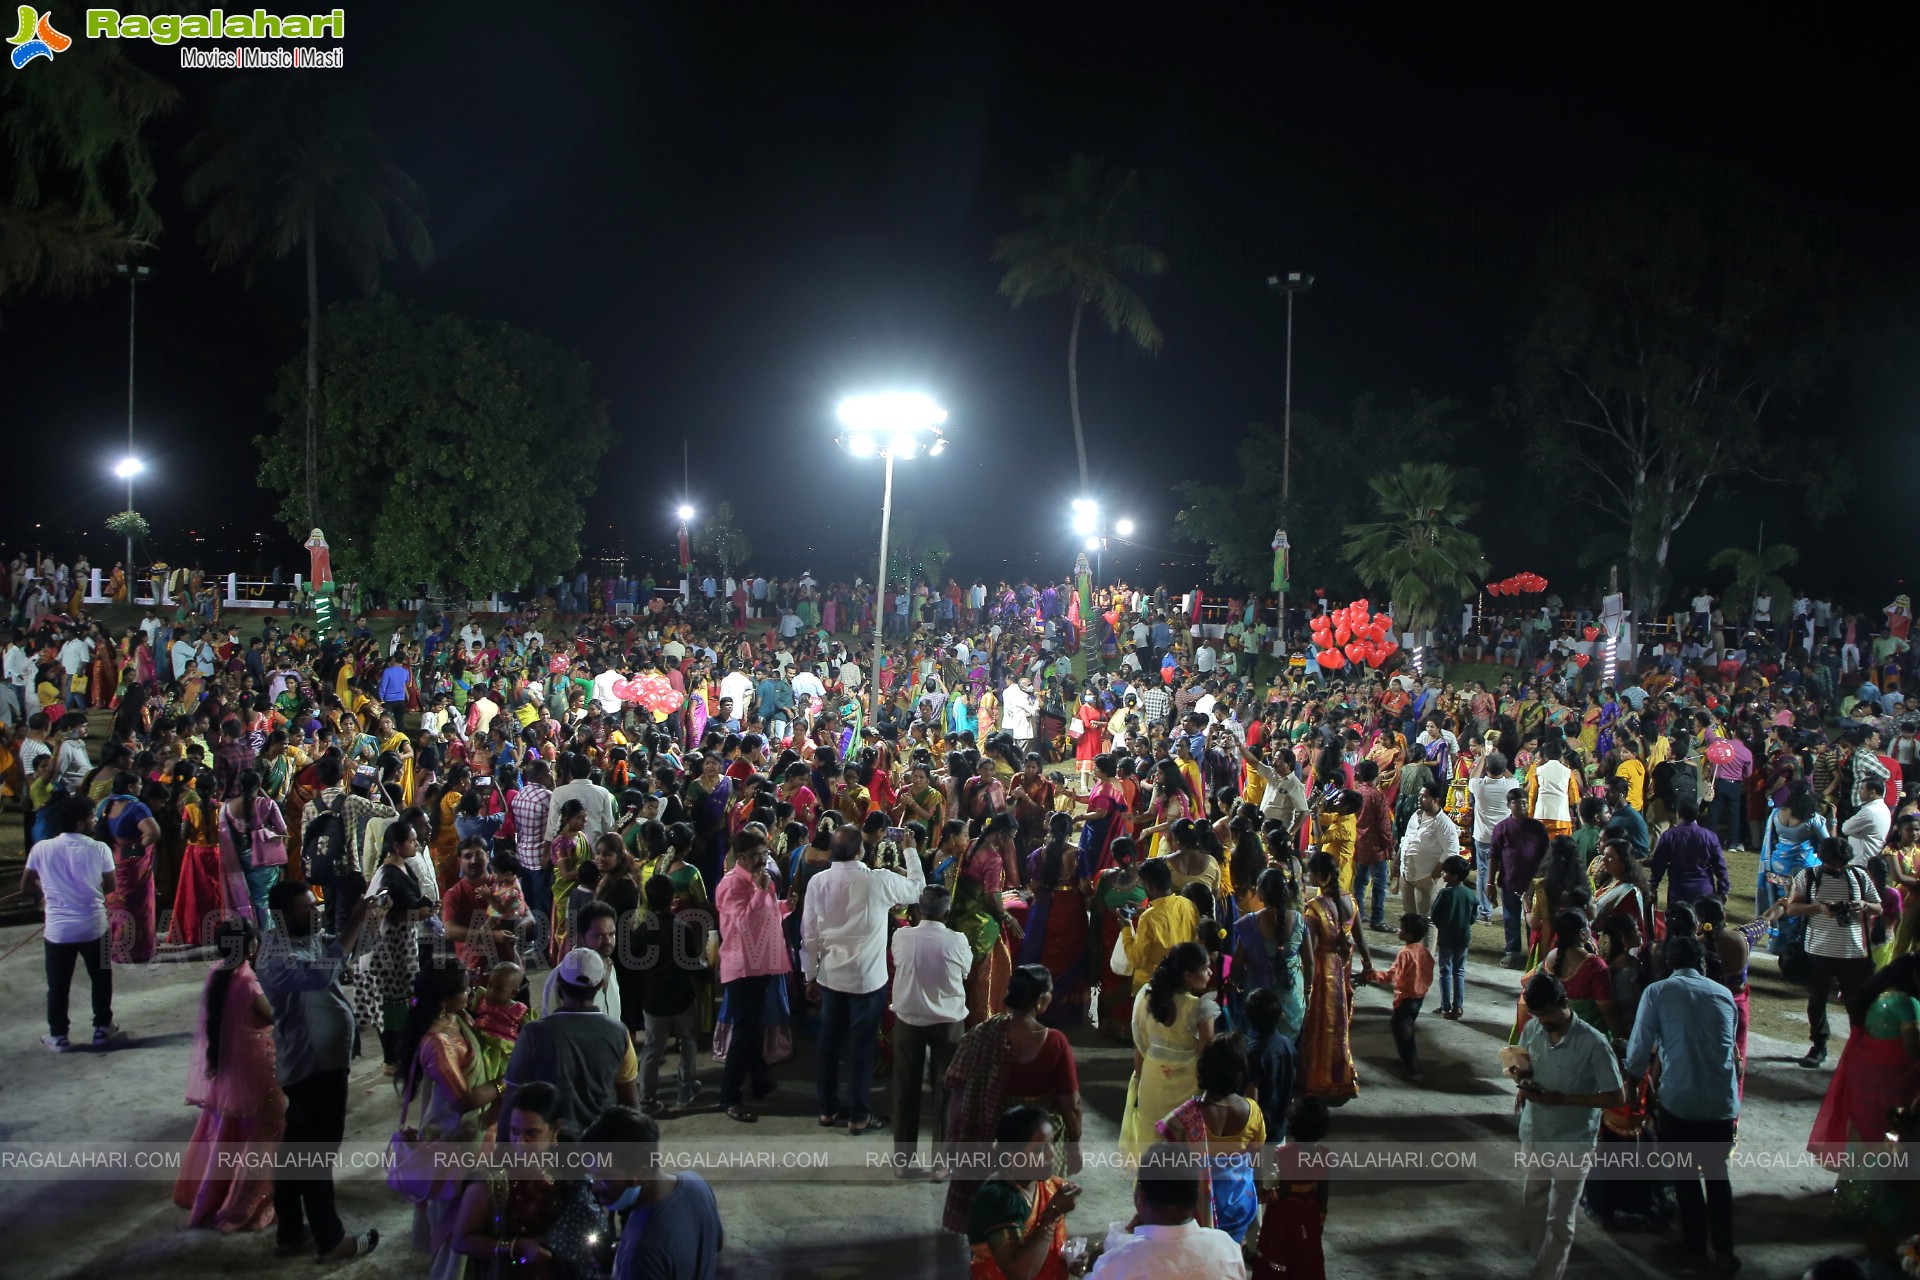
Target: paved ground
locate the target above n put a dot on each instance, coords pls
(815, 1229)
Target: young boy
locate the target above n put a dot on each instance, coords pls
(1454, 911)
(1269, 1060)
(1410, 975)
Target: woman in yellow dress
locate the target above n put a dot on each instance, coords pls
(1173, 1019)
(446, 839)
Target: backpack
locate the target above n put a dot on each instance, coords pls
(323, 846)
(1686, 784)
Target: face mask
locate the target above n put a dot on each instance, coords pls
(628, 1199)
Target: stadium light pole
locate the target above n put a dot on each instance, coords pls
(130, 467)
(894, 425)
(1294, 282)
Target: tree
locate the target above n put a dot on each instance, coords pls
(1078, 244)
(1236, 522)
(911, 551)
(456, 451)
(1756, 573)
(77, 174)
(1671, 333)
(1418, 551)
(722, 542)
(285, 163)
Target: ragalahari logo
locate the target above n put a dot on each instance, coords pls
(37, 38)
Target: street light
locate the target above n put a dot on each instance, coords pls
(1089, 521)
(898, 424)
(685, 513)
(133, 276)
(1292, 283)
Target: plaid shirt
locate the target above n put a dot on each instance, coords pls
(1156, 704)
(530, 825)
(1869, 776)
(230, 760)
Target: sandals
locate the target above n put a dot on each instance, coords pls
(833, 1122)
(873, 1125)
(742, 1114)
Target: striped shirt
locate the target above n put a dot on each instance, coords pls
(529, 809)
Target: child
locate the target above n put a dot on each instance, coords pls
(1410, 975)
(497, 1017)
(1338, 827)
(672, 950)
(1269, 1058)
(1296, 1211)
(1455, 908)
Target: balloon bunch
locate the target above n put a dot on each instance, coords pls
(1353, 634)
(651, 691)
(1520, 584)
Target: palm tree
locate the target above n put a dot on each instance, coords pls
(1757, 573)
(1078, 243)
(75, 174)
(284, 165)
(722, 541)
(1418, 551)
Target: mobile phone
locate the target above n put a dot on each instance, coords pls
(896, 834)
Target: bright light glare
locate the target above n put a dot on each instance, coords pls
(1084, 504)
(128, 467)
(1123, 527)
(1082, 520)
(938, 447)
(685, 512)
(904, 445)
(860, 445)
(1093, 544)
(891, 413)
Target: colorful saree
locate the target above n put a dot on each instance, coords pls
(1326, 1050)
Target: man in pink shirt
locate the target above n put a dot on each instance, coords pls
(753, 953)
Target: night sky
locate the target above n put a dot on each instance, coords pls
(740, 213)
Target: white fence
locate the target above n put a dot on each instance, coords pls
(255, 593)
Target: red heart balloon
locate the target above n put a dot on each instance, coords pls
(1355, 652)
(1580, 659)
(1591, 633)
(1389, 646)
(1329, 659)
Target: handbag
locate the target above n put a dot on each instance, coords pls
(1119, 961)
(411, 1169)
(269, 846)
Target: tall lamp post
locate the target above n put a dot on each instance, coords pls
(893, 425)
(130, 465)
(685, 512)
(1290, 284)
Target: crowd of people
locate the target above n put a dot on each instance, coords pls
(477, 848)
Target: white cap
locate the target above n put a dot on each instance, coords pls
(583, 967)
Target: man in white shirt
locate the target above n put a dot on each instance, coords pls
(738, 686)
(843, 956)
(930, 967)
(1205, 658)
(1431, 838)
(1285, 799)
(75, 655)
(1166, 1243)
(581, 786)
(472, 638)
(1866, 830)
(1016, 713)
(603, 691)
(1488, 792)
(75, 872)
(808, 685)
(17, 668)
